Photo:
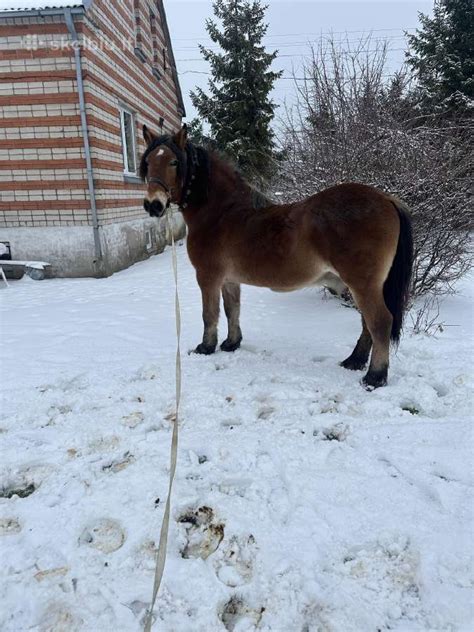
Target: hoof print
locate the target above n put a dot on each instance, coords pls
(119, 464)
(9, 526)
(234, 566)
(411, 408)
(339, 432)
(58, 618)
(265, 412)
(21, 489)
(51, 573)
(133, 420)
(237, 614)
(105, 535)
(203, 533)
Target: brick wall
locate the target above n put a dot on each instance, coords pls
(42, 163)
(131, 24)
(42, 167)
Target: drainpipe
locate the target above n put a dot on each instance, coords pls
(85, 134)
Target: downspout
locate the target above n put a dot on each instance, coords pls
(85, 134)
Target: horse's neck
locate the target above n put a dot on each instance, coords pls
(226, 190)
(223, 177)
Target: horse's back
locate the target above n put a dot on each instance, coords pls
(355, 227)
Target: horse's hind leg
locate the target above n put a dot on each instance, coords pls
(210, 290)
(231, 296)
(360, 356)
(378, 320)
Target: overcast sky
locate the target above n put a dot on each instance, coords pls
(292, 26)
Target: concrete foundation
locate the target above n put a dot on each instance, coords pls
(70, 249)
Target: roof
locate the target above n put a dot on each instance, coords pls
(35, 5)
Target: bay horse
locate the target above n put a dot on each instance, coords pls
(349, 235)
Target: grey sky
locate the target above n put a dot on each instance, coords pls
(292, 26)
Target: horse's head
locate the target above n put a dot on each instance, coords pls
(163, 166)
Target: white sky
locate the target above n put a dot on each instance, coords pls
(292, 25)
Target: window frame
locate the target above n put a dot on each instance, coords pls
(126, 166)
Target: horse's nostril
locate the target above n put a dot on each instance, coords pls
(156, 208)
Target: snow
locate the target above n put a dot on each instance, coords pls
(302, 502)
(15, 5)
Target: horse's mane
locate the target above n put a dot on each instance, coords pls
(260, 200)
(198, 159)
(257, 199)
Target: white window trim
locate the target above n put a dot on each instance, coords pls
(126, 170)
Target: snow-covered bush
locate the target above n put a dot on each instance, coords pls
(355, 122)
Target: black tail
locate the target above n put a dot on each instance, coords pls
(397, 286)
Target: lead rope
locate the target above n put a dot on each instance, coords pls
(161, 554)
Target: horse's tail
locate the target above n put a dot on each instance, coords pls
(396, 289)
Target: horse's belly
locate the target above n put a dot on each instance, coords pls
(332, 281)
(283, 278)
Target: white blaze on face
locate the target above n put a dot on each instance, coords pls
(159, 194)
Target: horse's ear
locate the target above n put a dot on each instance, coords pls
(181, 137)
(148, 135)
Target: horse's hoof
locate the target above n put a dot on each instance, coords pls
(353, 364)
(204, 349)
(374, 379)
(228, 345)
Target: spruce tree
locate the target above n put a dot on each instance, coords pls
(238, 108)
(442, 52)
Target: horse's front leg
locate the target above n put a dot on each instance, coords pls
(211, 294)
(231, 296)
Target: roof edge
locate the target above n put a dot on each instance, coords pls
(80, 7)
(35, 13)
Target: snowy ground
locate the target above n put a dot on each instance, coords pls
(302, 502)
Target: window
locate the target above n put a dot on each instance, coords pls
(127, 124)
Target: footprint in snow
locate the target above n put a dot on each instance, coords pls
(385, 573)
(338, 432)
(117, 465)
(236, 614)
(265, 412)
(9, 526)
(411, 407)
(133, 419)
(20, 488)
(59, 618)
(23, 482)
(234, 563)
(104, 535)
(203, 533)
(104, 444)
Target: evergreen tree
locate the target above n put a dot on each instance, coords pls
(238, 108)
(442, 54)
(197, 135)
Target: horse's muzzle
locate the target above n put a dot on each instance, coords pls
(154, 208)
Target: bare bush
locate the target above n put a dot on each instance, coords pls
(355, 122)
(425, 318)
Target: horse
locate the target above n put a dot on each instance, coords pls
(347, 236)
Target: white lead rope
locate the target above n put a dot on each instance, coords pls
(161, 554)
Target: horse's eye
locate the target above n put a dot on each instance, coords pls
(174, 163)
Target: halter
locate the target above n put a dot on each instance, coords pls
(154, 180)
(188, 162)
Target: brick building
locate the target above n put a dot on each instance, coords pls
(77, 82)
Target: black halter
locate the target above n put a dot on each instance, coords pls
(190, 161)
(154, 180)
